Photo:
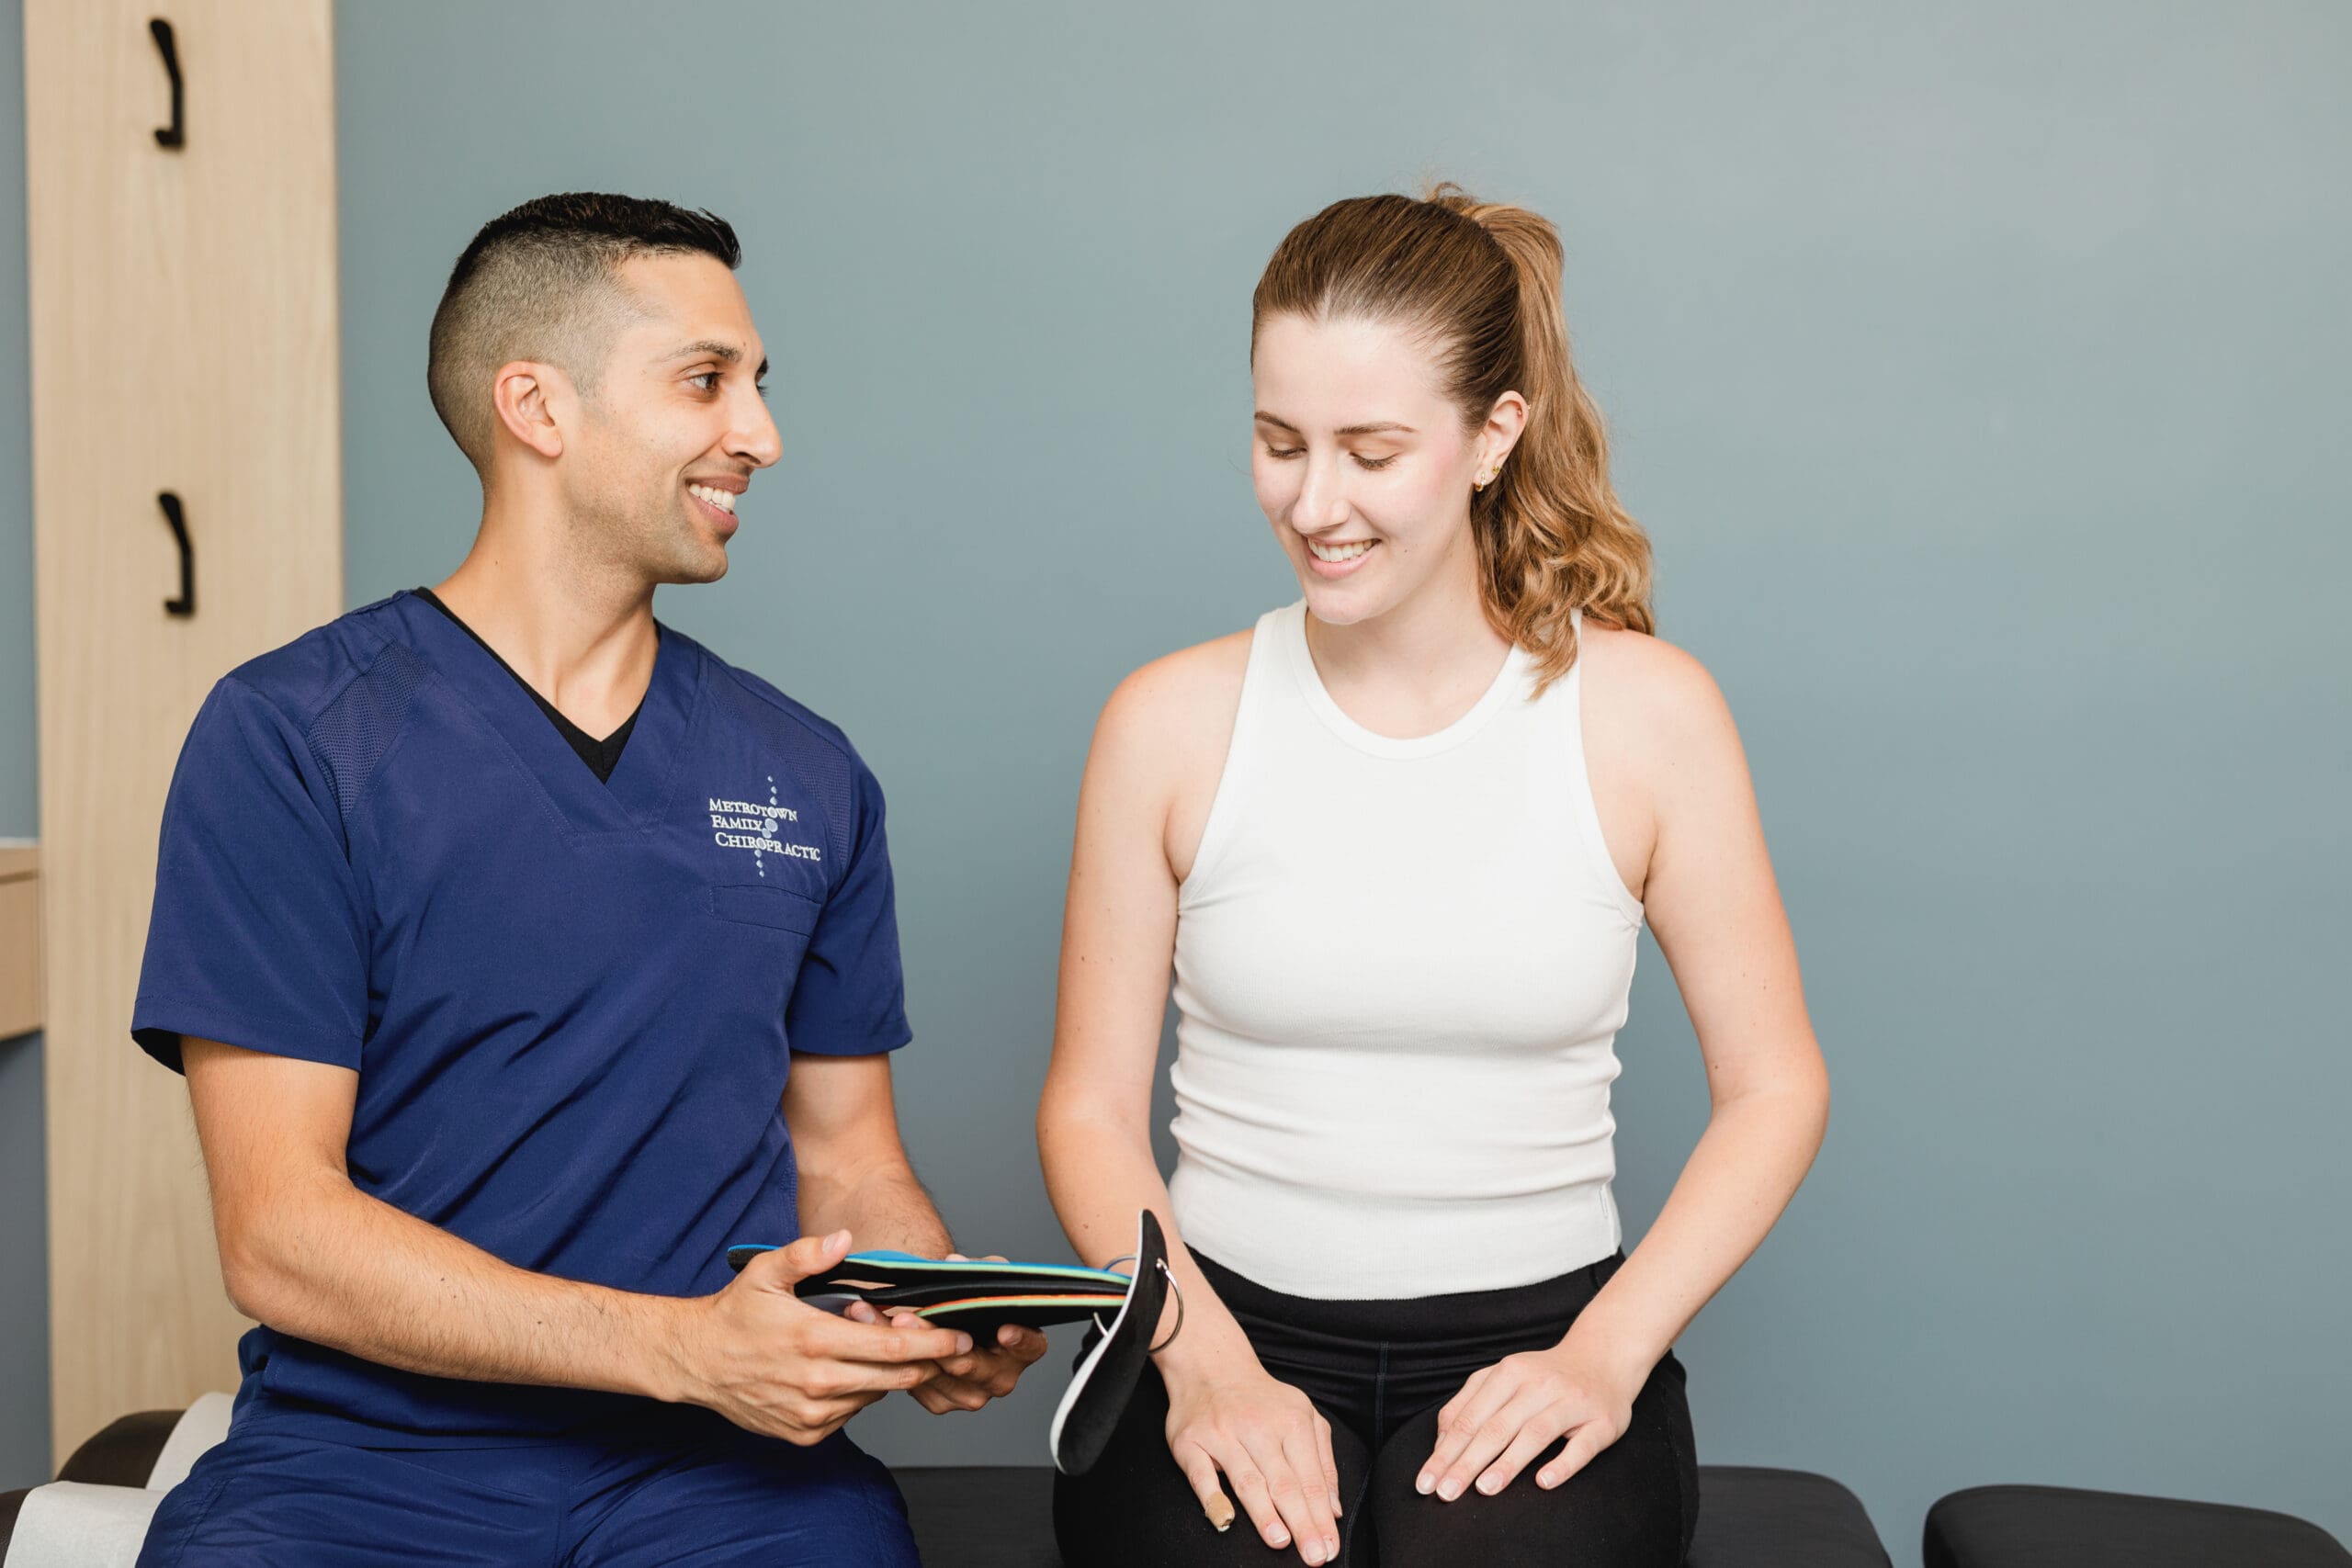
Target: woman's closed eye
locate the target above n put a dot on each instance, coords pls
(1371, 465)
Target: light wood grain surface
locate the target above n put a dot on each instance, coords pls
(183, 338)
(20, 939)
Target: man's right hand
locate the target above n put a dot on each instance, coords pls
(1272, 1445)
(771, 1363)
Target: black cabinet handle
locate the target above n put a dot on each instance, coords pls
(176, 133)
(186, 604)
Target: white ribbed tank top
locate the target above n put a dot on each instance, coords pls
(1400, 970)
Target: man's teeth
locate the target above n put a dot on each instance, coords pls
(1338, 552)
(722, 499)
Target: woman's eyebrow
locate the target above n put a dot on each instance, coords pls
(1377, 428)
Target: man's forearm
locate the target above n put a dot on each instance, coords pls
(343, 1269)
(882, 1206)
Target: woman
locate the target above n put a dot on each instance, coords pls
(1398, 841)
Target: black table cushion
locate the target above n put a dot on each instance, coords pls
(2056, 1527)
(1003, 1517)
(124, 1451)
(1750, 1517)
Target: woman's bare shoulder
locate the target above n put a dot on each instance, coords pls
(1179, 701)
(1652, 705)
(1160, 746)
(1645, 667)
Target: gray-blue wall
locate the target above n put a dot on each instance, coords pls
(1977, 372)
(24, 1213)
(1978, 375)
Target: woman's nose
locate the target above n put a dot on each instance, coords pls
(1321, 503)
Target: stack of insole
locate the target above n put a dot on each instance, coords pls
(975, 1296)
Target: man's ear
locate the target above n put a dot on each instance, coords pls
(533, 402)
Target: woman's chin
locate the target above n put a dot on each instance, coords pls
(1340, 603)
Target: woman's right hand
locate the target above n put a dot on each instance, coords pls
(1272, 1443)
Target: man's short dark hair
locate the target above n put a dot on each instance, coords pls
(543, 282)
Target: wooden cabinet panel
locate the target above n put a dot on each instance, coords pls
(182, 339)
(19, 939)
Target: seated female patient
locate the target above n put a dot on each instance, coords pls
(1397, 841)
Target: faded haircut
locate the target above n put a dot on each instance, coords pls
(543, 283)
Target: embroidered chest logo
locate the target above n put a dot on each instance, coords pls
(746, 825)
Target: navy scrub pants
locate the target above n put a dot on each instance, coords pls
(712, 1495)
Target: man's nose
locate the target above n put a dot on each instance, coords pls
(755, 438)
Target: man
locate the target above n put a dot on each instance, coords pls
(521, 956)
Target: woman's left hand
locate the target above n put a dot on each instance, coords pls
(1510, 1413)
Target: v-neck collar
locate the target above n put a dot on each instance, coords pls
(640, 779)
(601, 755)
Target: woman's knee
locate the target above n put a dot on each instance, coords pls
(1627, 1506)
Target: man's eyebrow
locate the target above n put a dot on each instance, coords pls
(716, 350)
(1378, 427)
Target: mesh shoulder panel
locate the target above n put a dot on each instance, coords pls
(353, 732)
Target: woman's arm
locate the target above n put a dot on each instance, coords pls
(1667, 758)
(1710, 900)
(1157, 749)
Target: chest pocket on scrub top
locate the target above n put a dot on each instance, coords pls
(777, 908)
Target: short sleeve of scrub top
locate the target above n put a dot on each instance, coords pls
(256, 938)
(849, 999)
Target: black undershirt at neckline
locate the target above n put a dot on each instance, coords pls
(602, 756)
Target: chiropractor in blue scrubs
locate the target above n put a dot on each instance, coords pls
(520, 954)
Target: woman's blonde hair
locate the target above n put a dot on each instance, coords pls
(1480, 283)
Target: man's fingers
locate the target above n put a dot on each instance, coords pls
(870, 1380)
(784, 1266)
(1331, 1464)
(955, 1393)
(846, 1341)
(998, 1367)
(1200, 1470)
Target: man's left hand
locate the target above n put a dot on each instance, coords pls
(969, 1380)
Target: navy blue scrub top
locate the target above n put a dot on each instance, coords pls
(570, 1004)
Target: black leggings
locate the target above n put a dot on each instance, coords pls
(1379, 1372)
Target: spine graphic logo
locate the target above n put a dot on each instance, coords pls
(748, 825)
